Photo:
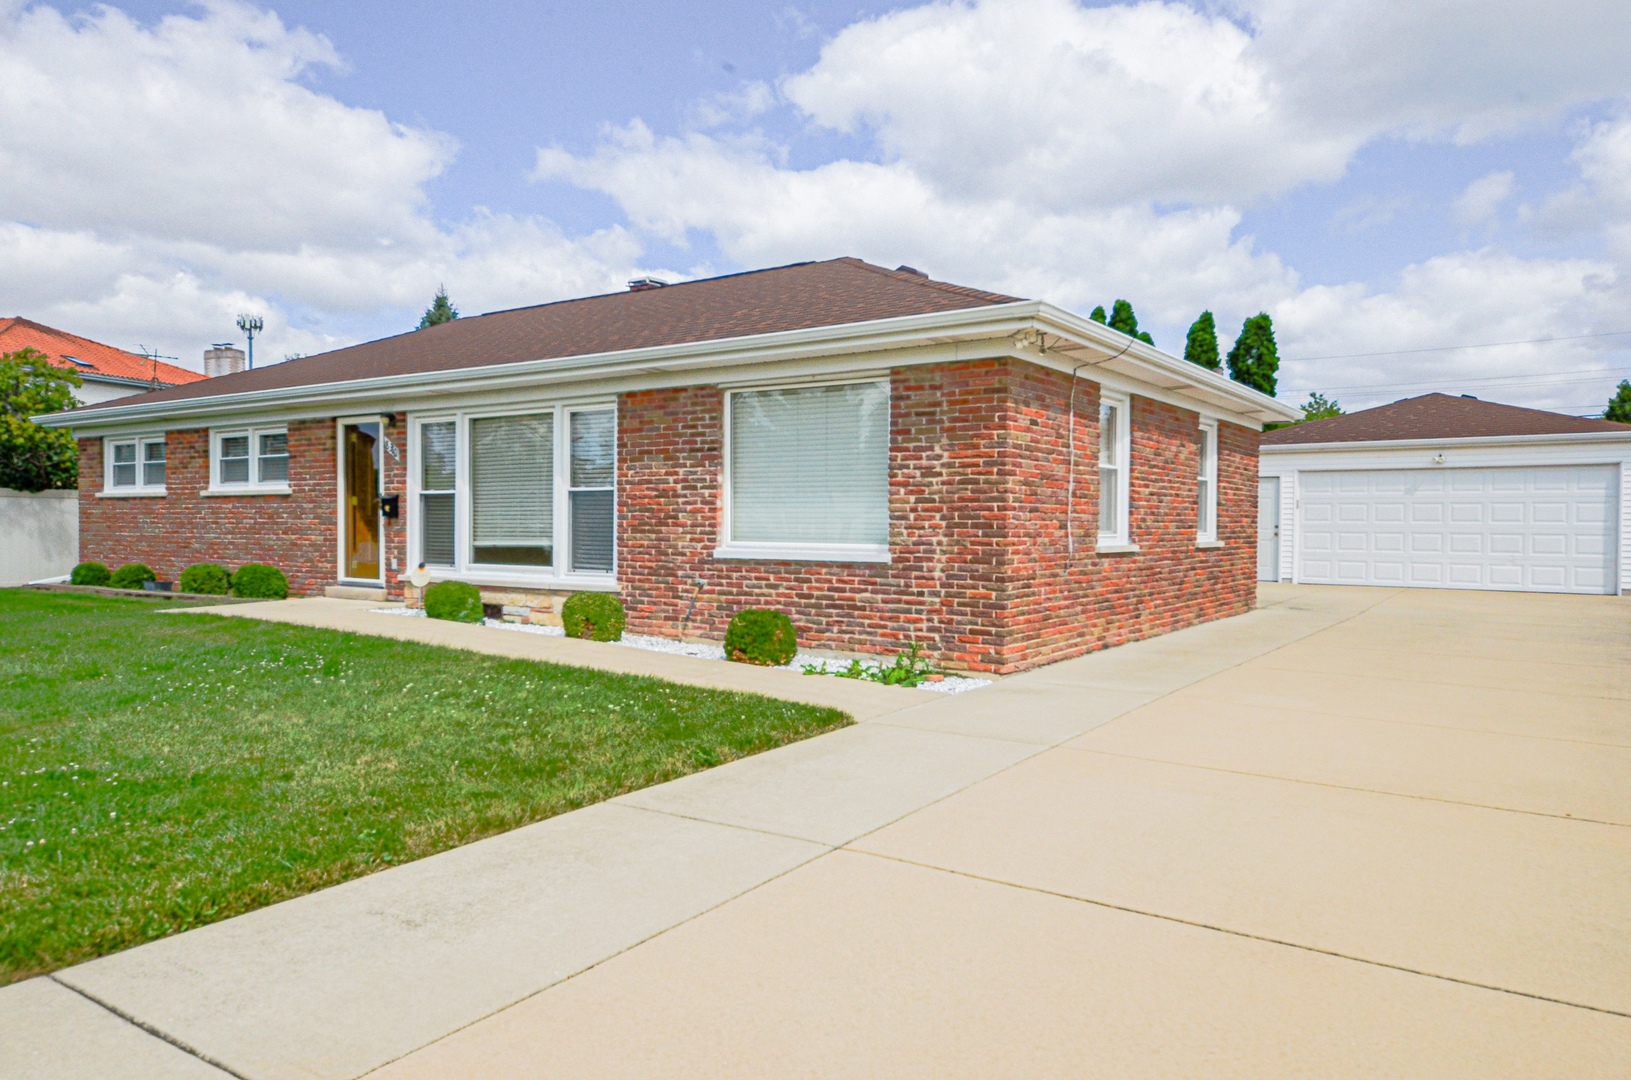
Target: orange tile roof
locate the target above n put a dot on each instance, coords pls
(63, 349)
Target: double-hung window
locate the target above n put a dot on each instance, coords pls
(1206, 485)
(250, 460)
(1115, 454)
(525, 497)
(135, 466)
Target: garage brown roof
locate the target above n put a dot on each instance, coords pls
(1437, 416)
(795, 297)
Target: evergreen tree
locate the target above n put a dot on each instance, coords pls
(1098, 315)
(1255, 360)
(441, 310)
(35, 458)
(1319, 407)
(1123, 319)
(1619, 406)
(1202, 346)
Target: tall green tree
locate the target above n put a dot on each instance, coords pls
(1098, 314)
(1123, 319)
(35, 458)
(1202, 346)
(1255, 360)
(1320, 407)
(1619, 406)
(441, 310)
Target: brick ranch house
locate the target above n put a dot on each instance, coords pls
(884, 457)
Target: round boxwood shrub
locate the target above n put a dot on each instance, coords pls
(453, 600)
(597, 616)
(760, 636)
(131, 576)
(260, 582)
(90, 573)
(206, 578)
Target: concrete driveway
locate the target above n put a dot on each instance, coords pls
(1354, 833)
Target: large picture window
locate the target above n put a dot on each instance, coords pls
(526, 498)
(808, 473)
(512, 490)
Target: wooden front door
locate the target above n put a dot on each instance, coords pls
(361, 495)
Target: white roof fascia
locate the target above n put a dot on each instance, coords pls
(996, 320)
(1563, 438)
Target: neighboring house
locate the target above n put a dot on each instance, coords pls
(108, 373)
(1448, 493)
(883, 457)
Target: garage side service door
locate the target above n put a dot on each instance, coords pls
(1546, 529)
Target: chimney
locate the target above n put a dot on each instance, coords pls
(641, 284)
(223, 360)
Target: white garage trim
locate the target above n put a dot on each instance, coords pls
(1530, 451)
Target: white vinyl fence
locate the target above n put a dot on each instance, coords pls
(39, 535)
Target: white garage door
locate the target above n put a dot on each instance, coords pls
(1546, 529)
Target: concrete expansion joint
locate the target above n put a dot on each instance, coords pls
(1246, 934)
(162, 1036)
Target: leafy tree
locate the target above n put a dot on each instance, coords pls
(441, 310)
(1123, 319)
(1098, 314)
(35, 458)
(1255, 359)
(1619, 406)
(1202, 346)
(1320, 407)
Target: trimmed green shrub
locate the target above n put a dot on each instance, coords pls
(597, 616)
(90, 573)
(454, 600)
(205, 578)
(131, 576)
(760, 636)
(260, 582)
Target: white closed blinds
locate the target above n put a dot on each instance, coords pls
(593, 476)
(438, 449)
(512, 492)
(811, 465)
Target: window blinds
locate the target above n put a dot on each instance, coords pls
(438, 463)
(811, 465)
(512, 473)
(593, 473)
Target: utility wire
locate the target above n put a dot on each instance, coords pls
(1450, 348)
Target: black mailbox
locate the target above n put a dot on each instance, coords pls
(390, 506)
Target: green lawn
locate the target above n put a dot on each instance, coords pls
(161, 771)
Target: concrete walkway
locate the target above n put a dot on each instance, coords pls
(1353, 833)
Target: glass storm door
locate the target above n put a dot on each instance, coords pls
(361, 495)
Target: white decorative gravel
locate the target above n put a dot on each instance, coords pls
(951, 684)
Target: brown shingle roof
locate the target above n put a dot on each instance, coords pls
(1437, 416)
(794, 297)
(63, 349)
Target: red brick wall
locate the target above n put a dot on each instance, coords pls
(981, 572)
(295, 533)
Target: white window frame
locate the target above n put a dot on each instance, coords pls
(1120, 538)
(555, 576)
(1206, 525)
(254, 485)
(140, 489)
(800, 552)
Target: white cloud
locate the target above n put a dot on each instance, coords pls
(160, 179)
(1483, 198)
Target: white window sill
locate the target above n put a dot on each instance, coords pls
(855, 553)
(222, 493)
(500, 580)
(133, 493)
(1208, 545)
(1111, 548)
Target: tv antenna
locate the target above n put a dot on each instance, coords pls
(153, 383)
(251, 325)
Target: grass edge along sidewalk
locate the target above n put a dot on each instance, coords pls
(159, 774)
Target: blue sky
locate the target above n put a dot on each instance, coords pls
(1380, 181)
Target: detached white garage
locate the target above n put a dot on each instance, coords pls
(1442, 492)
